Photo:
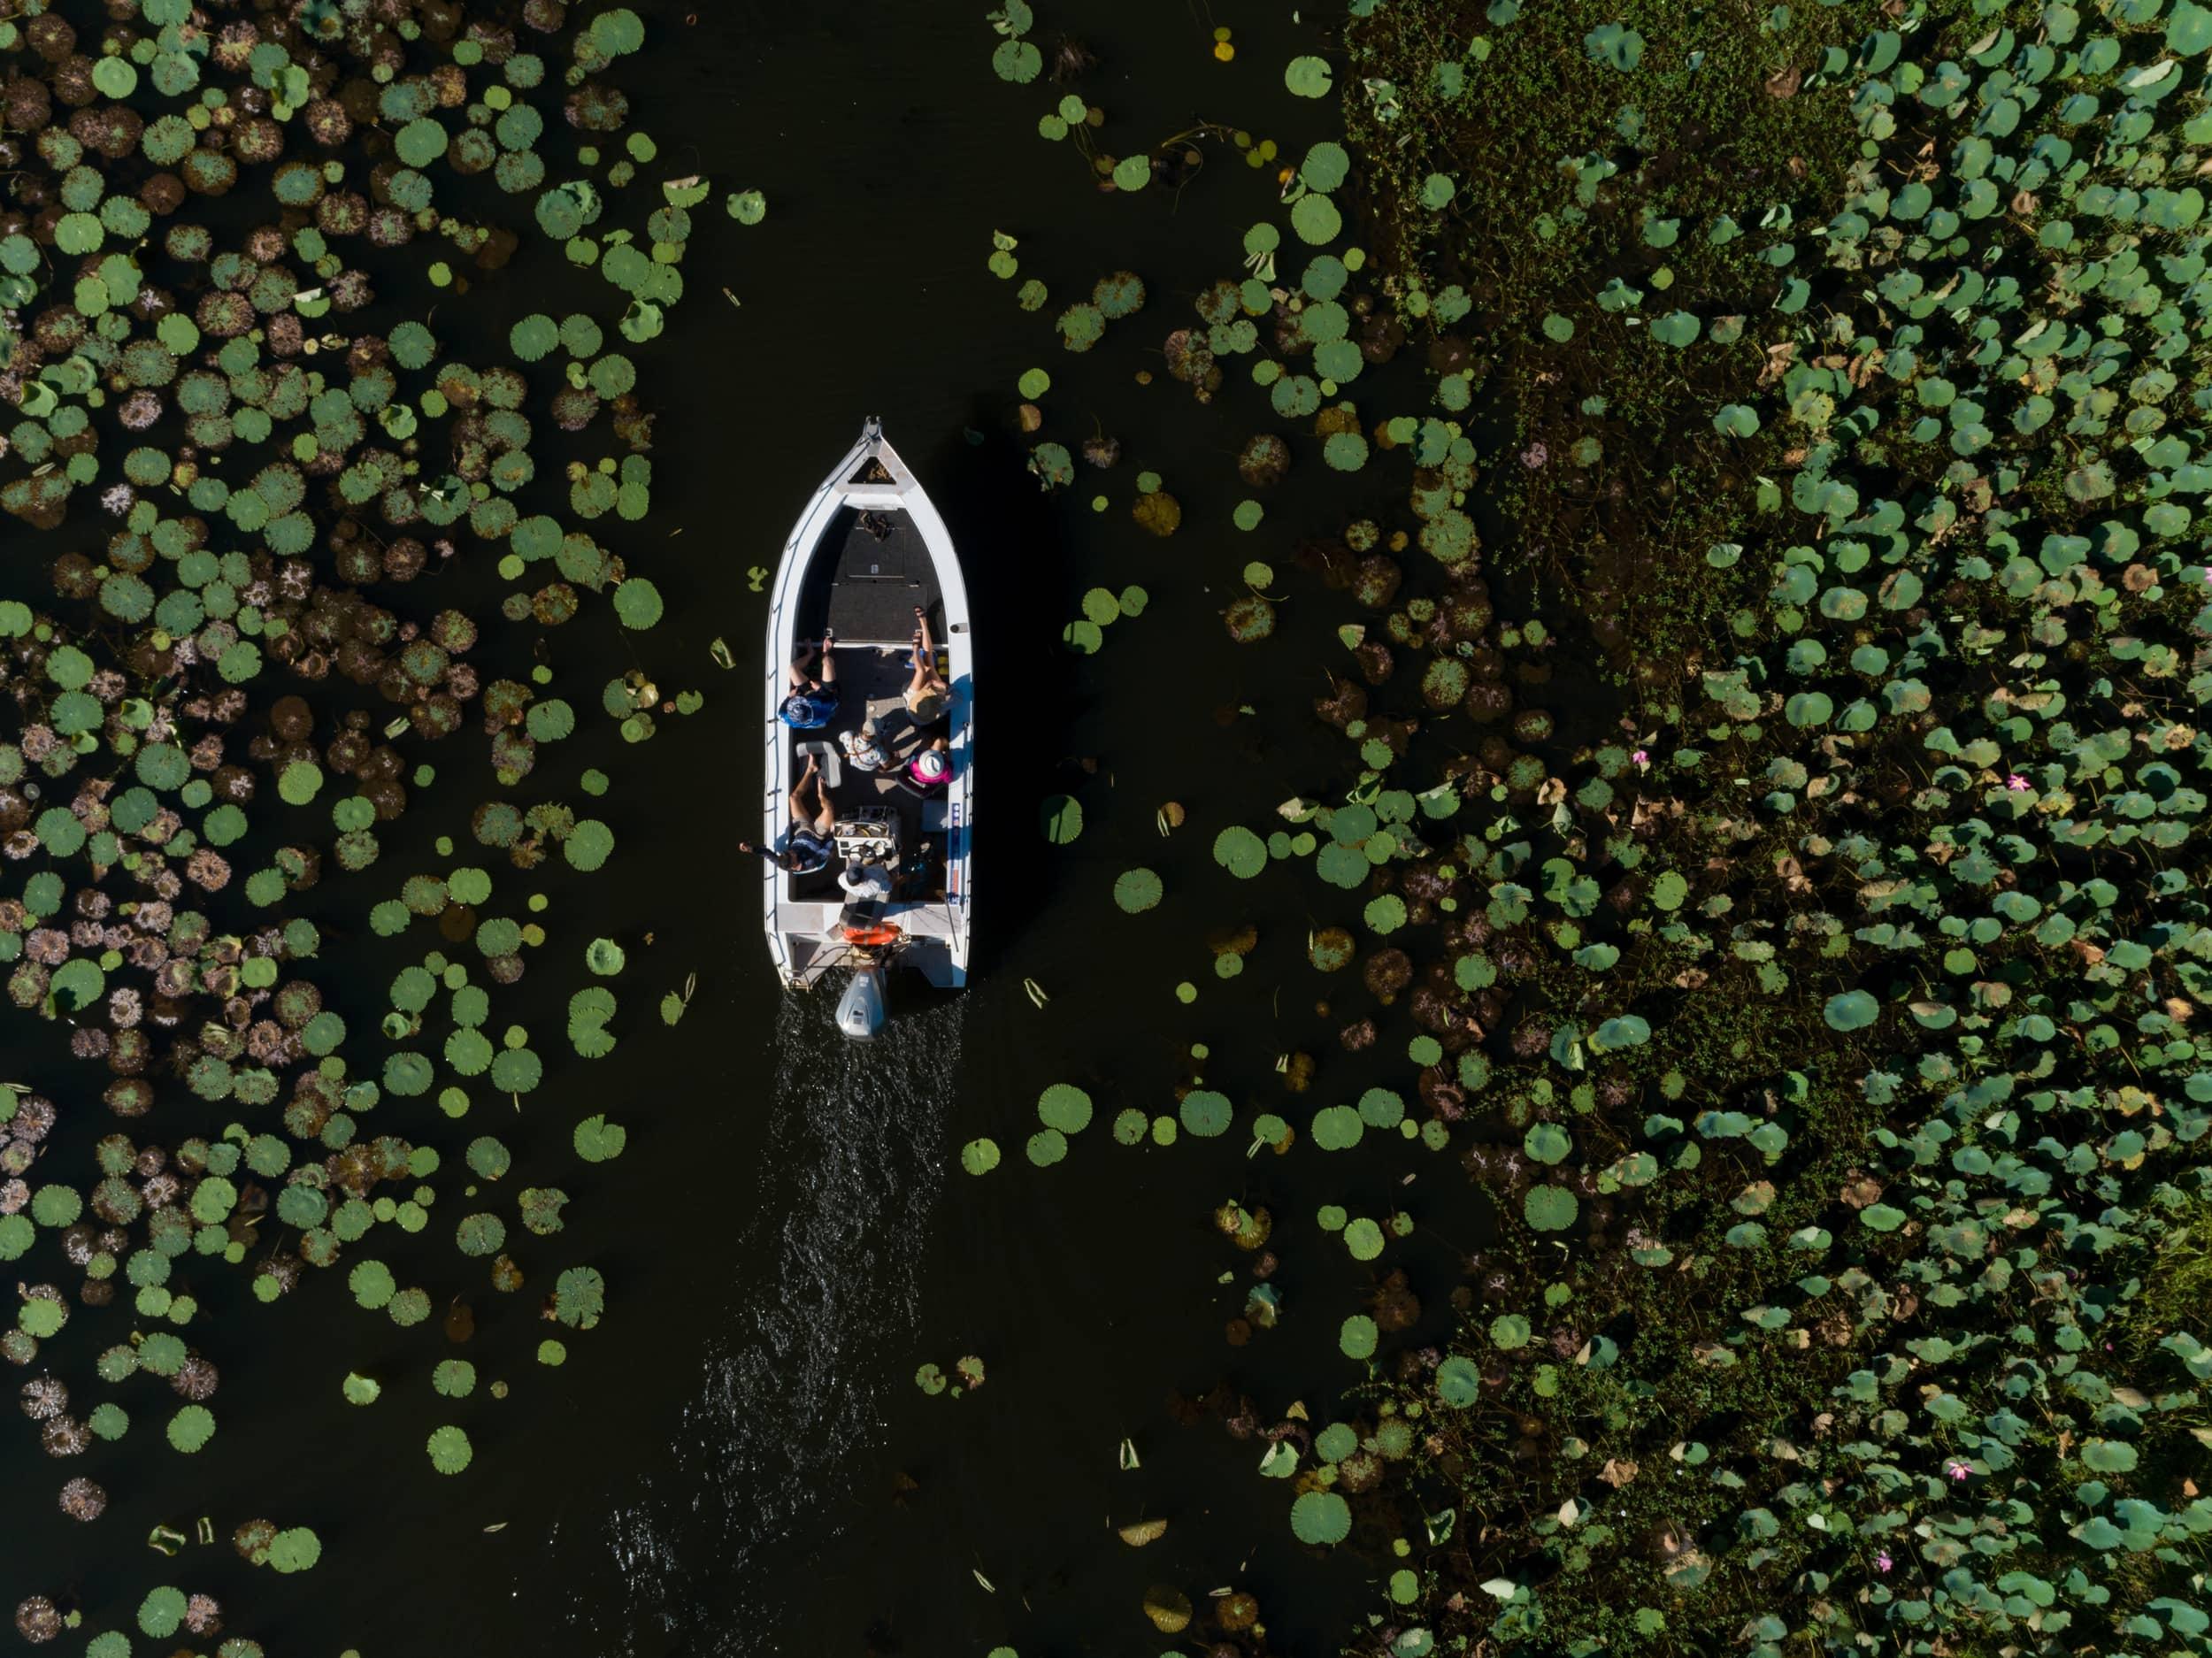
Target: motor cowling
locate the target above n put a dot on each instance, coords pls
(865, 1005)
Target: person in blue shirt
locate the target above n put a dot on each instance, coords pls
(812, 701)
(809, 844)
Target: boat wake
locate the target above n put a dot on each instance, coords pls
(795, 1373)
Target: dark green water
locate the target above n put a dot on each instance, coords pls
(717, 1469)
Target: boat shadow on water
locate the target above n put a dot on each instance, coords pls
(706, 1549)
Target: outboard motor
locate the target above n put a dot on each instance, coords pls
(871, 941)
(865, 1006)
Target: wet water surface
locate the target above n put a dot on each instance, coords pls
(738, 1460)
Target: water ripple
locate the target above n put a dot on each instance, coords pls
(793, 1377)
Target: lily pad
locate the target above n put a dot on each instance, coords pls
(1137, 890)
(1321, 1517)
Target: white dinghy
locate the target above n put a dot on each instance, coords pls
(868, 550)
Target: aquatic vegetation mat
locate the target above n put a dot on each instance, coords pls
(254, 490)
(1759, 891)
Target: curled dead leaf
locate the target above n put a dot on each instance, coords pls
(1168, 1608)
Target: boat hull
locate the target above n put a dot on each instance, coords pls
(868, 548)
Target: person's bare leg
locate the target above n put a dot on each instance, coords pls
(800, 812)
(829, 659)
(929, 640)
(797, 670)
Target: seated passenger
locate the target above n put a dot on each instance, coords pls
(812, 702)
(864, 882)
(912, 880)
(862, 752)
(808, 844)
(932, 768)
(927, 691)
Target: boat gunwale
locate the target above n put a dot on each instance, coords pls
(785, 929)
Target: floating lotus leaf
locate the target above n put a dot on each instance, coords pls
(1326, 165)
(598, 1141)
(1081, 327)
(580, 1296)
(1616, 44)
(1157, 512)
(1321, 1517)
(1065, 1107)
(1137, 890)
(1337, 1128)
(588, 844)
(1307, 77)
(1248, 619)
(1458, 1383)
(1119, 294)
(1547, 1143)
(980, 1156)
(1016, 60)
(1550, 1207)
(1206, 1113)
(454, 1378)
(1062, 819)
(191, 1428)
(450, 1451)
(637, 602)
(480, 1235)
(1168, 1608)
(1240, 852)
(532, 337)
(296, 1548)
(1315, 218)
(161, 1613)
(1851, 1010)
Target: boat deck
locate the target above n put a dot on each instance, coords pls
(867, 551)
(881, 571)
(868, 593)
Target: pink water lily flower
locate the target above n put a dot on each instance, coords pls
(1882, 1561)
(1957, 1470)
(1643, 756)
(2017, 784)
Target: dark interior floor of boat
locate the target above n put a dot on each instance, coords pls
(881, 569)
(866, 593)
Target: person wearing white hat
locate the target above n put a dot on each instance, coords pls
(932, 768)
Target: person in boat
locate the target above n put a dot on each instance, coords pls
(807, 846)
(926, 692)
(913, 880)
(864, 883)
(862, 753)
(931, 769)
(812, 701)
